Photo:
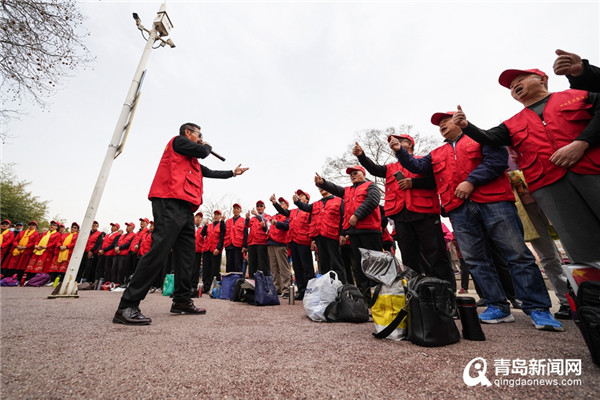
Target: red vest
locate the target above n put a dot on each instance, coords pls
(450, 170)
(145, 244)
(354, 196)
(177, 177)
(199, 241)
(300, 227)
(137, 240)
(213, 234)
(325, 220)
(123, 239)
(257, 235)
(566, 114)
(424, 201)
(92, 241)
(276, 234)
(234, 232)
(108, 239)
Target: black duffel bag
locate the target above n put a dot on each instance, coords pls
(348, 306)
(431, 306)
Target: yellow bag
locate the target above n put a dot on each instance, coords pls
(388, 302)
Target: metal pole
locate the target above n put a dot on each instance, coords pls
(68, 286)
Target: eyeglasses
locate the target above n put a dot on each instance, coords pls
(197, 133)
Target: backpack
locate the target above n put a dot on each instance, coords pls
(349, 306)
(38, 280)
(10, 281)
(431, 306)
(265, 293)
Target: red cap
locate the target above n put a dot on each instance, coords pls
(55, 223)
(217, 212)
(130, 224)
(198, 213)
(145, 219)
(439, 116)
(355, 168)
(509, 75)
(95, 222)
(284, 200)
(115, 224)
(260, 202)
(406, 137)
(300, 191)
(33, 222)
(75, 224)
(6, 221)
(236, 205)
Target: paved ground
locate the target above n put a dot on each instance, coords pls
(70, 349)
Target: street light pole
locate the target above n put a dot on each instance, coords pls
(160, 27)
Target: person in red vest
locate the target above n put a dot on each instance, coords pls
(199, 240)
(22, 250)
(214, 237)
(300, 243)
(90, 257)
(43, 251)
(107, 253)
(234, 240)
(133, 256)
(176, 193)
(255, 239)
(362, 217)
(122, 252)
(277, 248)
(6, 239)
(477, 196)
(64, 251)
(325, 228)
(557, 144)
(411, 201)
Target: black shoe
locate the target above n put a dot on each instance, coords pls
(285, 296)
(131, 316)
(186, 308)
(299, 296)
(516, 303)
(481, 303)
(195, 295)
(564, 312)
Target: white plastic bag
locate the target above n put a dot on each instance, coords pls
(319, 293)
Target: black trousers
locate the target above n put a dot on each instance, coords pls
(258, 259)
(370, 241)
(348, 259)
(234, 259)
(196, 272)
(173, 229)
(302, 262)
(423, 249)
(211, 268)
(330, 257)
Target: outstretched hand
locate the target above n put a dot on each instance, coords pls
(459, 118)
(567, 63)
(357, 150)
(318, 179)
(395, 144)
(239, 170)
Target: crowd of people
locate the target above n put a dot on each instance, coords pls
(546, 159)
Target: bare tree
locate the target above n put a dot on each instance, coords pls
(375, 145)
(41, 42)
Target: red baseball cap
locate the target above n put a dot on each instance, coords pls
(145, 219)
(75, 224)
(355, 168)
(259, 203)
(509, 75)
(439, 116)
(55, 223)
(115, 224)
(406, 137)
(130, 224)
(236, 205)
(284, 200)
(198, 213)
(300, 191)
(33, 222)
(217, 212)
(6, 221)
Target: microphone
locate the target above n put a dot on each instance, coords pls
(220, 157)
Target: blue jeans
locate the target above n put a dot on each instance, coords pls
(475, 224)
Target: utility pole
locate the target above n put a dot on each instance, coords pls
(161, 27)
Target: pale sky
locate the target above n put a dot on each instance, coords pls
(278, 87)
